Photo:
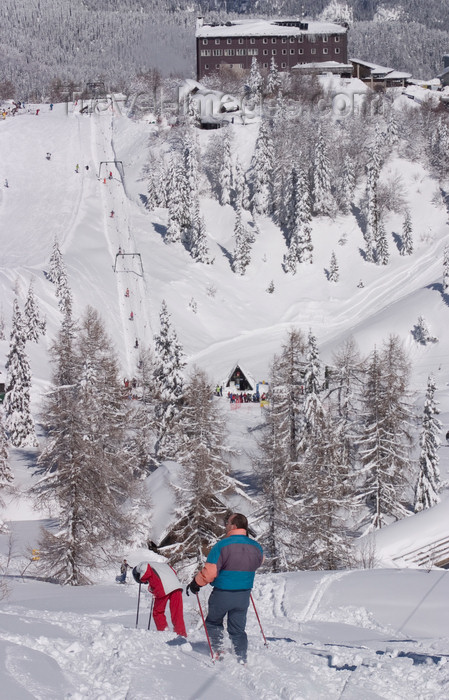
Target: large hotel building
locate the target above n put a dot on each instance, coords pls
(290, 42)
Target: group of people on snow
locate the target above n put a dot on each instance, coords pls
(230, 569)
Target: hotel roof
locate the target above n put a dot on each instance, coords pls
(264, 27)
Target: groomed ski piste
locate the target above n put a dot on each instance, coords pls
(368, 634)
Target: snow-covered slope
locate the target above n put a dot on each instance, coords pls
(361, 634)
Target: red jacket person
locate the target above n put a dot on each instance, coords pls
(166, 587)
(230, 568)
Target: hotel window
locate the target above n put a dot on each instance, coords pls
(265, 40)
(300, 51)
(205, 41)
(337, 38)
(301, 38)
(325, 38)
(273, 51)
(240, 52)
(217, 52)
(283, 65)
(325, 51)
(265, 52)
(292, 51)
(265, 65)
(206, 66)
(292, 39)
(273, 40)
(253, 52)
(312, 51)
(312, 38)
(217, 41)
(284, 52)
(240, 41)
(252, 40)
(205, 52)
(229, 52)
(284, 39)
(337, 50)
(229, 41)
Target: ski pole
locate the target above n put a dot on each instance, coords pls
(258, 619)
(205, 628)
(138, 605)
(151, 611)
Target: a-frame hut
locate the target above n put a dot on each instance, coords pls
(239, 380)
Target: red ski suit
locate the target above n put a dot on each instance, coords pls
(165, 586)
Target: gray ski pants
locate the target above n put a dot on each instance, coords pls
(234, 604)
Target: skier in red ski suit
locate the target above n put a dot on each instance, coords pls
(166, 587)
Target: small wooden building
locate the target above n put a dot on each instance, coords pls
(238, 380)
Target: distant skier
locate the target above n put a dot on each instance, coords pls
(110, 174)
(112, 214)
(166, 588)
(87, 167)
(48, 156)
(136, 344)
(37, 112)
(6, 183)
(51, 106)
(77, 168)
(123, 571)
(131, 316)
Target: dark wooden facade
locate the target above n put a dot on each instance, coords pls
(219, 46)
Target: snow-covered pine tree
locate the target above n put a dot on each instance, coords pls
(197, 243)
(225, 170)
(421, 332)
(300, 236)
(407, 235)
(334, 272)
(262, 171)
(347, 185)
(428, 485)
(18, 420)
(382, 254)
(177, 199)
(206, 485)
(34, 324)
(273, 80)
(277, 461)
(191, 169)
(169, 383)
(6, 475)
(255, 79)
(372, 218)
(86, 466)
(446, 268)
(242, 250)
(323, 200)
(386, 437)
(392, 129)
(55, 263)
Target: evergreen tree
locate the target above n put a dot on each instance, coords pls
(178, 200)
(197, 240)
(262, 168)
(382, 254)
(274, 81)
(446, 268)
(407, 235)
(34, 324)
(85, 466)
(169, 383)
(386, 437)
(255, 79)
(56, 263)
(225, 171)
(392, 129)
(428, 484)
(206, 484)
(347, 185)
(242, 250)
(300, 247)
(6, 476)
(422, 334)
(277, 461)
(334, 272)
(371, 235)
(323, 201)
(18, 420)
